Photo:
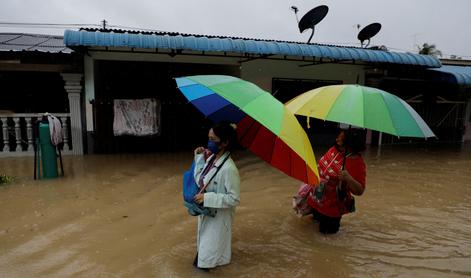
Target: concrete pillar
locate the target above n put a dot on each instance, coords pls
(89, 70)
(89, 86)
(73, 88)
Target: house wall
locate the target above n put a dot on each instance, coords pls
(261, 72)
(258, 71)
(274, 77)
(139, 75)
(89, 68)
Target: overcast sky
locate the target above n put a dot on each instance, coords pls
(405, 23)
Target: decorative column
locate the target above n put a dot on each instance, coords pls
(29, 132)
(18, 146)
(65, 133)
(73, 88)
(6, 139)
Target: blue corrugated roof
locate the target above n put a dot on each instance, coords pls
(238, 45)
(460, 75)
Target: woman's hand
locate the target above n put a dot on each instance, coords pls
(354, 186)
(199, 150)
(199, 198)
(344, 175)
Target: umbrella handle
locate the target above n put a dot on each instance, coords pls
(340, 192)
(345, 154)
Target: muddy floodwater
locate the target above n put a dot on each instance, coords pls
(122, 216)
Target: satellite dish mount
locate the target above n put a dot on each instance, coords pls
(311, 18)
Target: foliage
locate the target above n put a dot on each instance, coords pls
(429, 49)
(4, 179)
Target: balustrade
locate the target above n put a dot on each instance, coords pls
(16, 126)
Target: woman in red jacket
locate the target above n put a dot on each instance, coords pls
(342, 173)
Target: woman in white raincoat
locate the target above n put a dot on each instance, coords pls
(221, 196)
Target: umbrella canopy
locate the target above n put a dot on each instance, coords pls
(363, 107)
(264, 125)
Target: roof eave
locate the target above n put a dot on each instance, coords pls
(242, 46)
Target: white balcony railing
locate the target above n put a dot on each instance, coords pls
(16, 137)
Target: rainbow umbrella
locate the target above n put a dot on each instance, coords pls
(264, 125)
(361, 106)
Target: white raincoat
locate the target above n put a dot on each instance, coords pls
(222, 194)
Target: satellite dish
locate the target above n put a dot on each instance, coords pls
(311, 18)
(368, 32)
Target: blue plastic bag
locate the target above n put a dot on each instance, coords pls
(190, 189)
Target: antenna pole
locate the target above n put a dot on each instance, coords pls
(295, 9)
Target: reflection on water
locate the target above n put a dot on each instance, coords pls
(122, 216)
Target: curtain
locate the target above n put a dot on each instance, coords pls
(136, 117)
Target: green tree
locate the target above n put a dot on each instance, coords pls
(429, 49)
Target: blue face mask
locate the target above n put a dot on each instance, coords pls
(213, 146)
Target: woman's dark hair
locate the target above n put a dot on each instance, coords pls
(355, 140)
(226, 133)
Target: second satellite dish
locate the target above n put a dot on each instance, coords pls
(311, 18)
(368, 32)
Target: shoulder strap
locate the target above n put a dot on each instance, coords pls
(345, 159)
(345, 155)
(217, 170)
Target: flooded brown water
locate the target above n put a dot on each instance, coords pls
(122, 216)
